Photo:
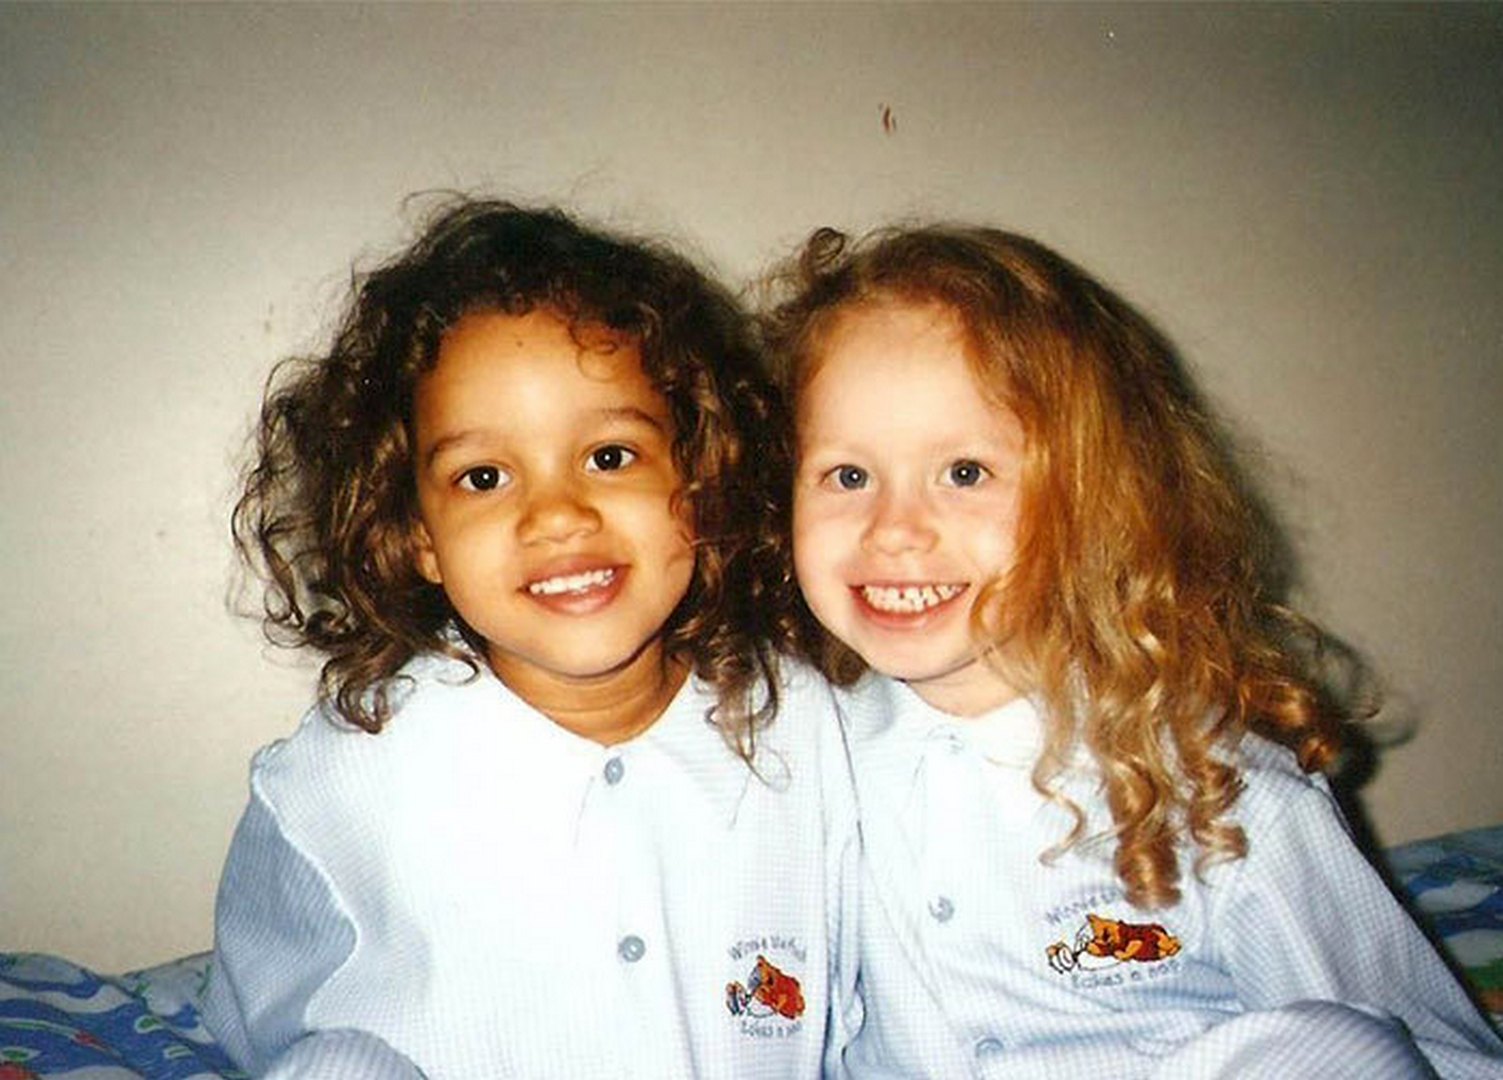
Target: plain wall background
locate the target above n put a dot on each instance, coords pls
(1305, 198)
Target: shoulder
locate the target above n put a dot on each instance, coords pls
(1273, 782)
(1272, 771)
(806, 737)
(807, 722)
(805, 704)
(431, 696)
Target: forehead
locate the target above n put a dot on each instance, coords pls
(896, 368)
(539, 335)
(494, 369)
(866, 346)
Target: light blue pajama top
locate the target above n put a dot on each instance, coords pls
(977, 958)
(478, 893)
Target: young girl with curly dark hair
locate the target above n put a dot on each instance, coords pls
(1010, 501)
(541, 821)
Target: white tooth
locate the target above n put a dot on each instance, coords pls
(910, 599)
(571, 583)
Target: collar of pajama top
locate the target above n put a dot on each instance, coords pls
(477, 789)
(559, 772)
(950, 814)
(914, 753)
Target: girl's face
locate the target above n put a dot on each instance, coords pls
(545, 482)
(906, 499)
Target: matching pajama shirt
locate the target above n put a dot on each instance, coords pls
(478, 893)
(979, 959)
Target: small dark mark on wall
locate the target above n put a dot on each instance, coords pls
(889, 121)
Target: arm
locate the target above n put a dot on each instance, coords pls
(280, 934)
(1305, 918)
(342, 1054)
(1345, 1042)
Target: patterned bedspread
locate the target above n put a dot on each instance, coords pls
(1455, 883)
(60, 1020)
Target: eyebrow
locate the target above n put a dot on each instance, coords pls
(630, 414)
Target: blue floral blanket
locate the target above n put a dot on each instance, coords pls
(58, 1019)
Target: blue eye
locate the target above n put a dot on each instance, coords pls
(849, 477)
(966, 473)
(610, 458)
(482, 478)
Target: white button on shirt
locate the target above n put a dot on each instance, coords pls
(989, 1046)
(631, 948)
(614, 770)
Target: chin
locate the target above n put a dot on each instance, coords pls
(915, 669)
(903, 671)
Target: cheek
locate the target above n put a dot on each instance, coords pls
(828, 520)
(431, 540)
(425, 559)
(672, 523)
(679, 505)
(678, 531)
(805, 531)
(990, 535)
(818, 585)
(816, 549)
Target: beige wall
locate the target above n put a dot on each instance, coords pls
(1305, 197)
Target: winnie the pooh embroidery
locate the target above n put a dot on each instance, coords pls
(1112, 941)
(767, 991)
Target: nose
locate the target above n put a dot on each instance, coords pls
(556, 511)
(900, 523)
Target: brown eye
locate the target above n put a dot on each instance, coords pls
(610, 458)
(482, 478)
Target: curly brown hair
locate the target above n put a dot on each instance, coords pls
(1142, 608)
(327, 512)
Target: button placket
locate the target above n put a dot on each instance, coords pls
(625, 803)
(949, 782)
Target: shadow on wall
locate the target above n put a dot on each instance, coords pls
(1345, 681)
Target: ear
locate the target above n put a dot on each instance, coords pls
(424, 558)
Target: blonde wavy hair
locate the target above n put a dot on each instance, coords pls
(1143, 606)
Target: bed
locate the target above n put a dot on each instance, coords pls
(60, 1019)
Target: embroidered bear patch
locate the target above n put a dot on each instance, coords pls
(1111, 941)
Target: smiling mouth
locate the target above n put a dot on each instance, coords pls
(908, 599)
(572, 584)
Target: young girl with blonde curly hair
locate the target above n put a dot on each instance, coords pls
(1097, 840)
(541, 821)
